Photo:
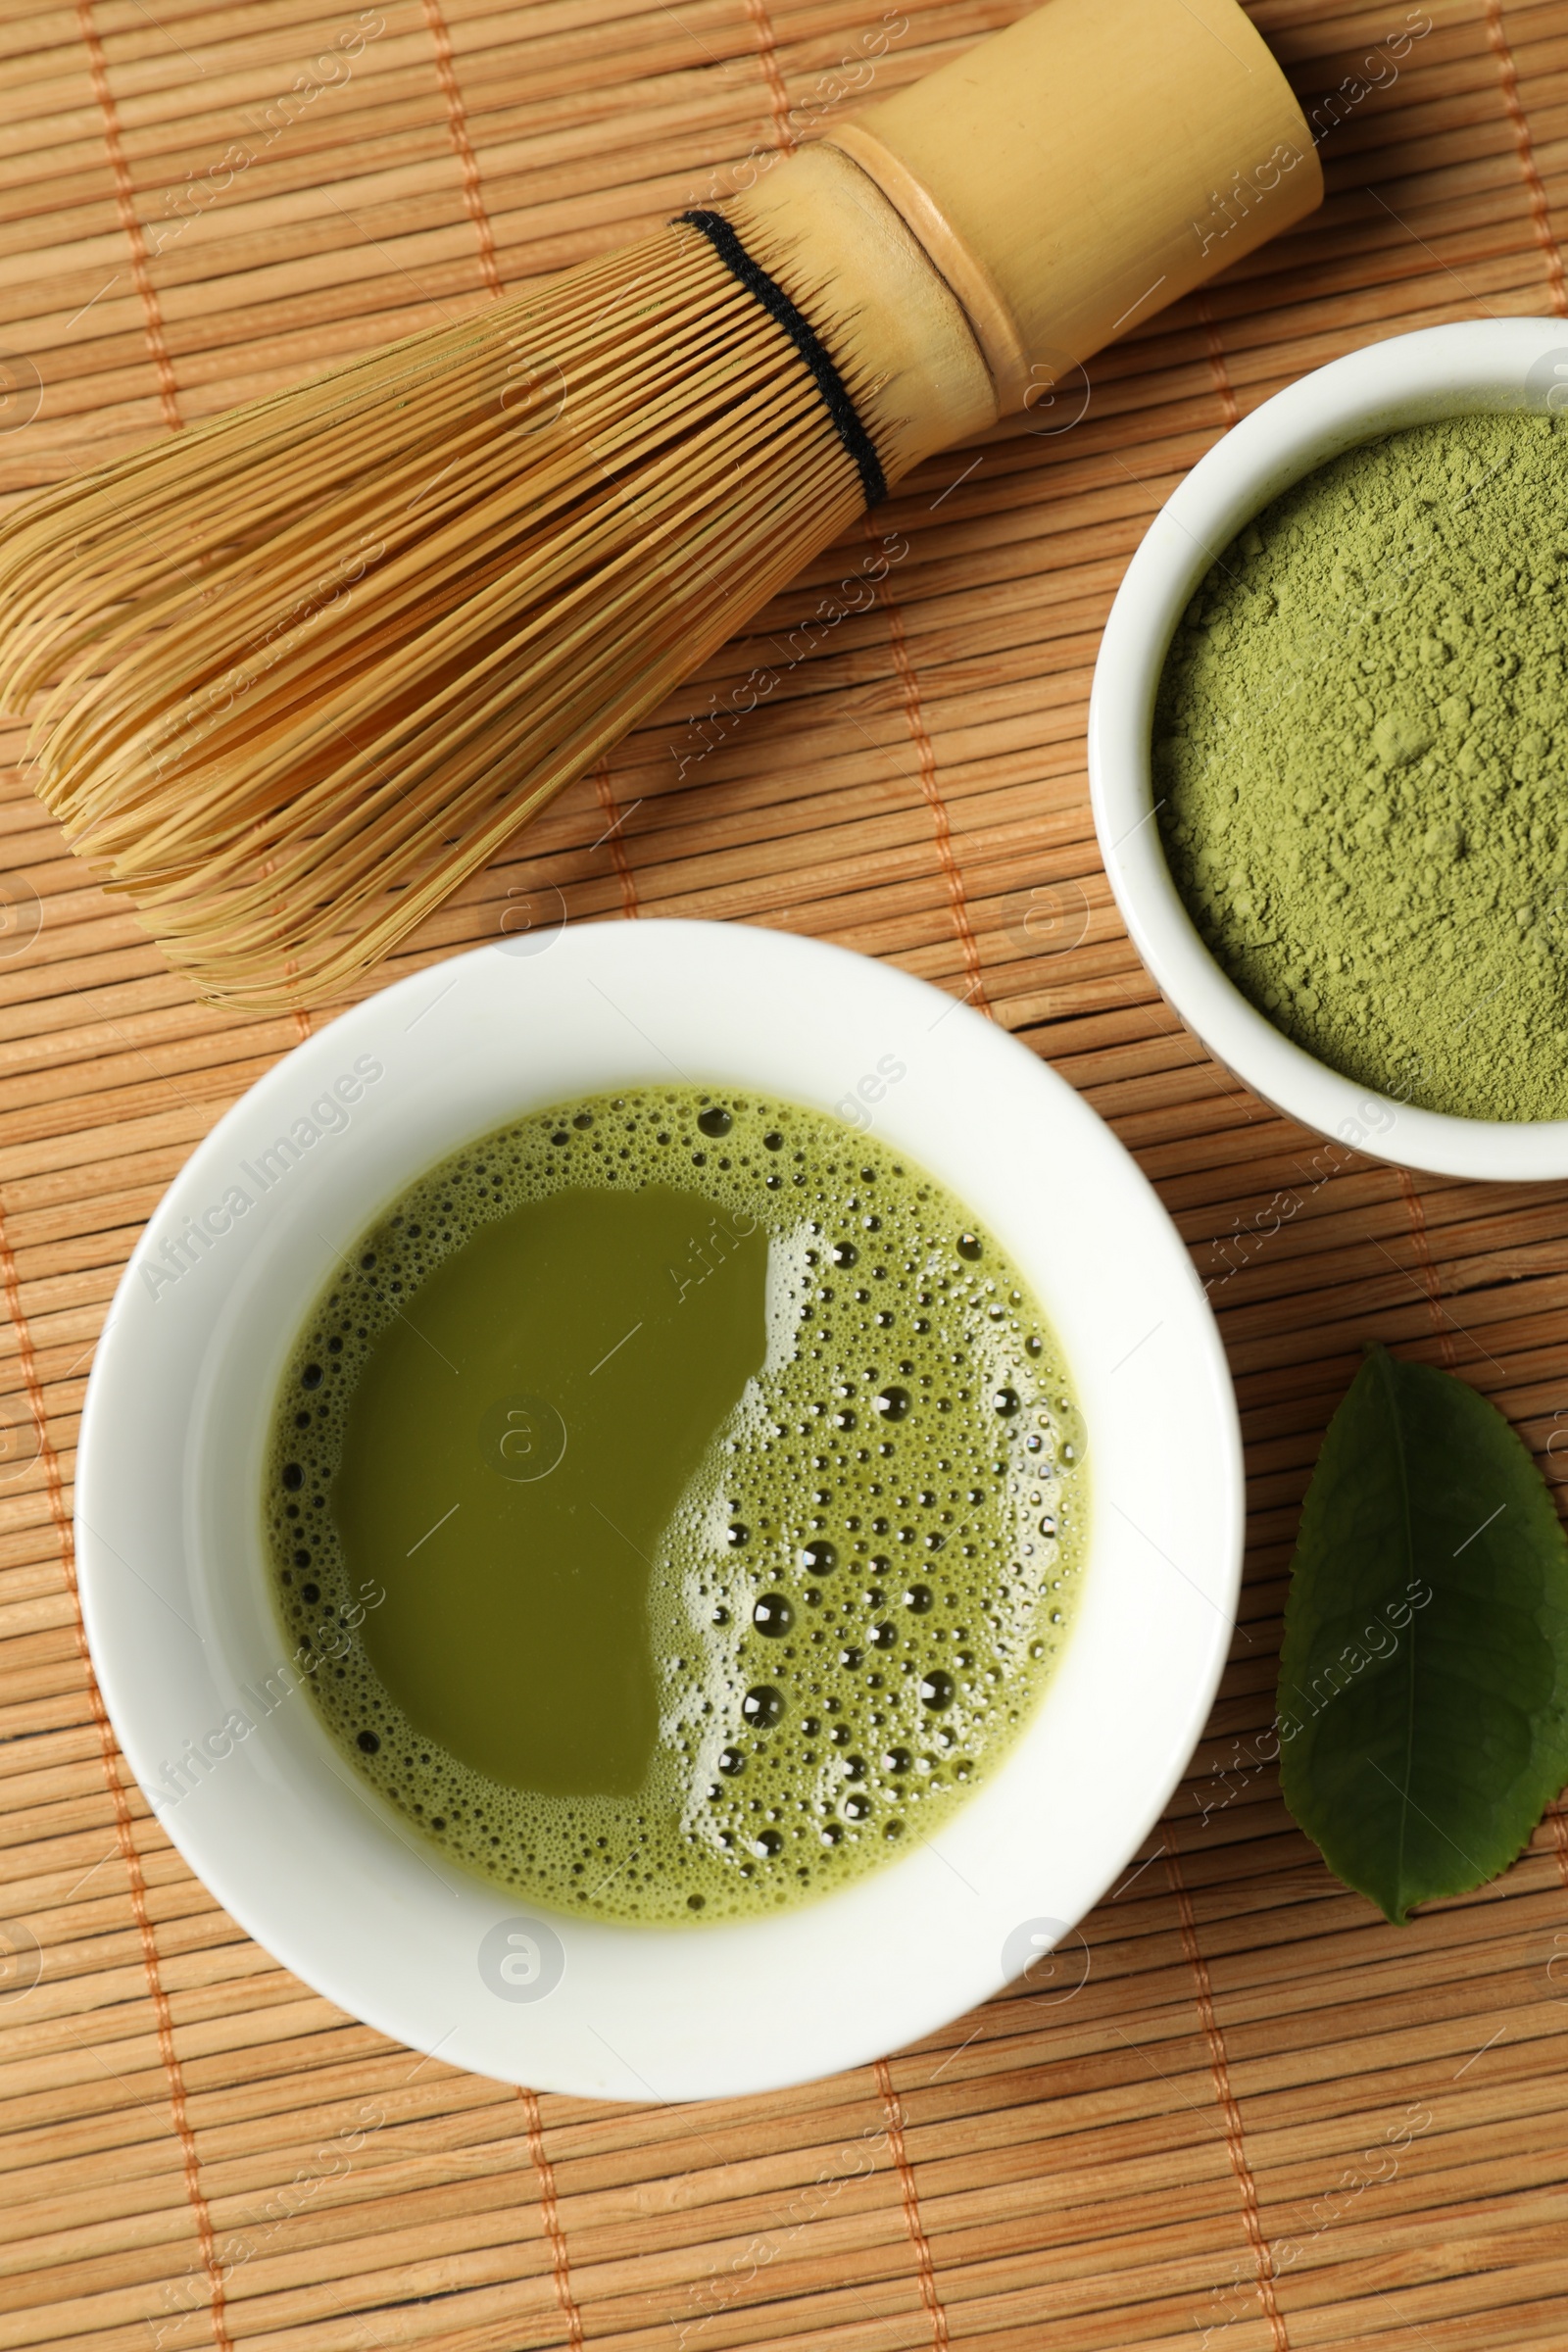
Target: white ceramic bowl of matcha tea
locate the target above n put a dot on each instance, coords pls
(174, 1586)
(1494, 365)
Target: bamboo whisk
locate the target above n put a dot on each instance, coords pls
(298, 671)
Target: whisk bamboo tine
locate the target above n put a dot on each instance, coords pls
(508, 670)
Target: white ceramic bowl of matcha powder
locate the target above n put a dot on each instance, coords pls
(1500, 366)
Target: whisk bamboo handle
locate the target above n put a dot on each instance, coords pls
(908, 355)
(1082, 170)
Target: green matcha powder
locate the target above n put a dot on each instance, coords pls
(1361, 761)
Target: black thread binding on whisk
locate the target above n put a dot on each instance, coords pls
(814, 353)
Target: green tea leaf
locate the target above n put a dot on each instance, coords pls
(1423, 1705)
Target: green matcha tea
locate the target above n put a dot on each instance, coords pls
(674, 1504)
(1359, 751)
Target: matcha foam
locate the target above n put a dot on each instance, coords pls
(867, 1572)
(1361, 760)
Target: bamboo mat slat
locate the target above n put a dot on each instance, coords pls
(1263, 2119)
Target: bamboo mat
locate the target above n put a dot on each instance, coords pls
(1247, 2114)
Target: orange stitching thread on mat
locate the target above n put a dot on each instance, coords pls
(302, 1020)
(1216, 364)
(1429, 1272)
(124, 201)
(1539, 210)
(1219, 2069)
(550, 2211)
(925, 753)
(1559, 1840)
(622, 864)
(463, 145)
(767, 52)
(122, 1828)
(923, 2263)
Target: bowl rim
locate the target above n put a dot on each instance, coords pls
(299, 1855)
(1469, 366)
